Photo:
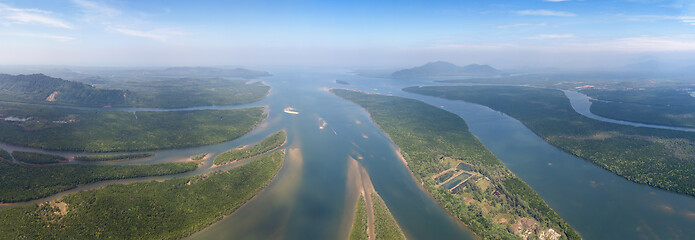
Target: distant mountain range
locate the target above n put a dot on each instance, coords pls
(148, 92)
(208, 72)
(660, 69)
(446, 69)
(88, 74)
(649, 65)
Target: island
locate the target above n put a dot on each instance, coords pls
(113, 157)
(66, 129)
(171, 209)
(271, 143)
(669, 106)
(463, 176)
(22, 182)
(371, 219)
(657, 157)
(338, 81)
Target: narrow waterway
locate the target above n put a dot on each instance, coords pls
(597, 203)
(312, 197)
(582, 105)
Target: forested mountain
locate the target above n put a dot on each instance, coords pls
(87, 74)
(182, 72)
(446, 69)
(130, 92)
(211, 72)
(39, 88)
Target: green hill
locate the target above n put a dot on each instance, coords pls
(131, 92)
(39, 88)
(445, 69)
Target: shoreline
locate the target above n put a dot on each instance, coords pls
(106, 182)
(242, 204)
(115, 181)
(592, 162)
(70, 153)
(198, 228)
(397, 151)
(251, 157)
(423, 187)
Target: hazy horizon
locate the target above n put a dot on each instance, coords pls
(566, 34)
(306, 119)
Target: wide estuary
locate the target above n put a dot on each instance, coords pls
(314, 195)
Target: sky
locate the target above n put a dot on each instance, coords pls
(507, 34)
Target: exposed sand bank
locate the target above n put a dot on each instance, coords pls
(322, 123)
(360, 178)
(251, 157)
(290, 110)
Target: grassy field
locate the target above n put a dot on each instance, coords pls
(663, 106)
(108, 131)
(147, 210)
(359, 221)
(657, 157)
(112, 157)
(430, 138)
(272, 142)
(37, 158)
(20, 182)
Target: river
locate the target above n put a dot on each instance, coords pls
(597, 203)
(311, 198)
(582, 105)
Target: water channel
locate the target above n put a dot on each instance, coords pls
(311, 198)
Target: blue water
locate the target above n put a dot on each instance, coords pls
(311, 198)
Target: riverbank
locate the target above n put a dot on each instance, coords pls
(268, 144)
(426, 134)
(187, 211)
(656, 157)
(61, 129)
(372, 218)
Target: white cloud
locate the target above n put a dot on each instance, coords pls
(116, 20)
(648, 44)
(94, 9)
(683, 19)
(673, 5)
(544, 12)
(517, 25)
(44, 36)
(473, 46)
(687, 20)
(637, 44)
(551, 36)
(31, 16)
(157, 34)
